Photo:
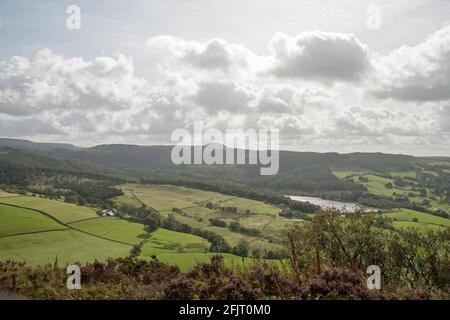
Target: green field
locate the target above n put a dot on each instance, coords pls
(277, 226)
(232, 238)
(254, 206)
(377, 185)
(185, 261)
(263, 246)
(113, 228)
(175, 242)
(15, 220)
(256, 221)
(128, 198)
(416, 225)
(408, 215)
(166, 197)
(62, 211)
(192, 222)
(403, 174)
(345, 174)
(4, 194)
(67, 246)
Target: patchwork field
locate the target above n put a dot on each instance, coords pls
(62, 211)
(410, 188)
(32, 235)
(196, 207)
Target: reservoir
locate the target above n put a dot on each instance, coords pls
(323, 203)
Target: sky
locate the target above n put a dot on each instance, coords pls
(331, 76)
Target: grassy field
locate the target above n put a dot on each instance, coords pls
(277, 227)
(166, 197)
(176, 241)
(4, 194)
(263, 246)
(185, 261)
(113, 228)
(344, 174)
(67, 246)
(202, 213)
(64, 212)
(416, 225)
(128, 198)
(377, 185)
(422, 218)
(254, 206)
(17, 221)
(256, 221)
(403, 174)
(192, 222)
(232, 238)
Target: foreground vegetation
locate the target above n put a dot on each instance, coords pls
(327, 259)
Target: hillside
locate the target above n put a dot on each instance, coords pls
(314, 169)
(359, 177)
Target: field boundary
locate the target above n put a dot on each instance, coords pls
(32, 232)
(67, 224)
(93, 218)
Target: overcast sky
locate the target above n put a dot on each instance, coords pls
(330, 75)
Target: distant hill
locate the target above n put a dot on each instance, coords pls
(305, 171)
(149, 157)
(36, 146)
(20, 166)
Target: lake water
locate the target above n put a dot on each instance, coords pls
(323, 203)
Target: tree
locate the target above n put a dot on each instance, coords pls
(241, 248)
(234, 226)
(406, 256)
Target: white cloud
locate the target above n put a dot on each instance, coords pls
(228, 86)
(418, 73)
(49, 82)
(319, 55)
(215, 55)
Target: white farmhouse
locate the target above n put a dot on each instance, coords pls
(109, 213)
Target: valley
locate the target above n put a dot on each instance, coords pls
(59, 207)
(41, 231)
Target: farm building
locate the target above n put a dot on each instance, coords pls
(108, 213)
